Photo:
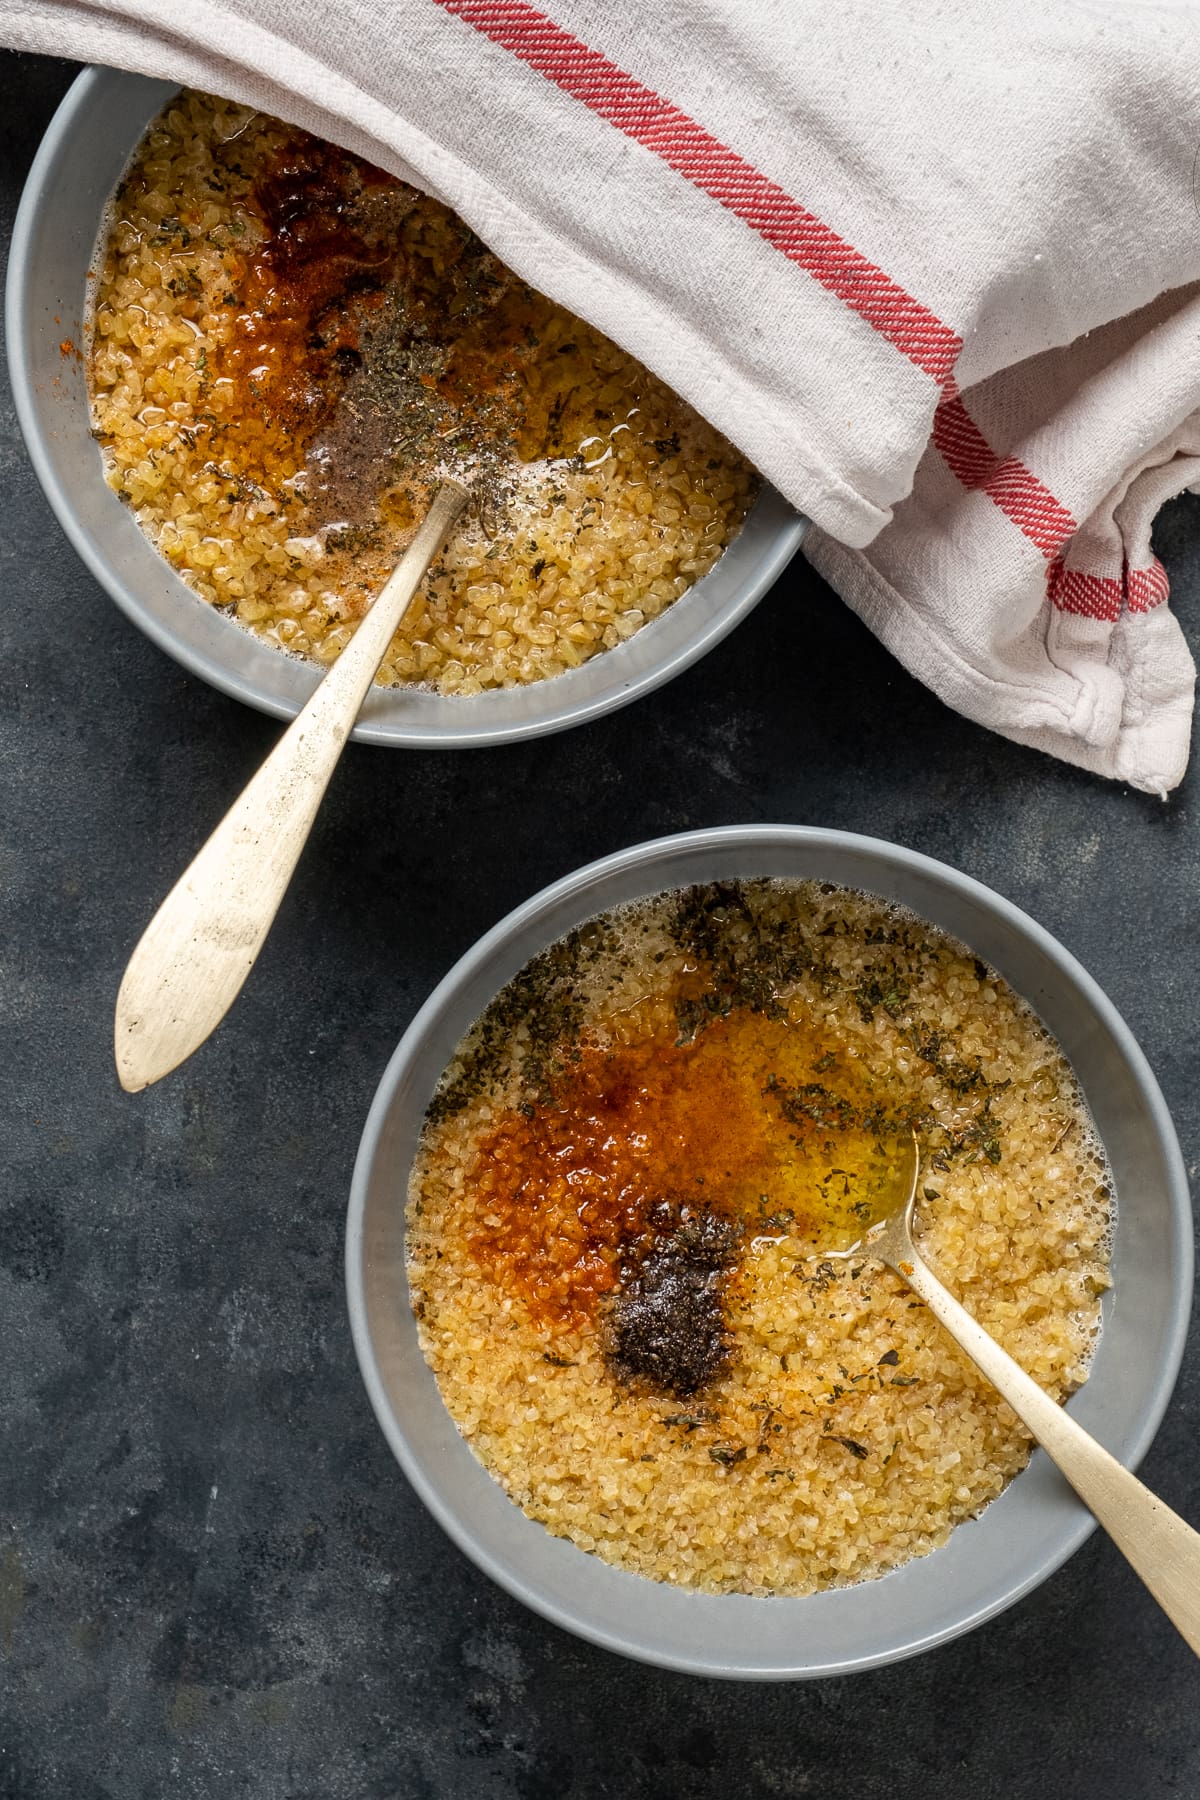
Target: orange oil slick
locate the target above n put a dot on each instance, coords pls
(757, 1119)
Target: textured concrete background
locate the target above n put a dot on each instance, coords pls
(213, 1579)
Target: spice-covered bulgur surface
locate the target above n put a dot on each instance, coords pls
(629, 1173)
(288, 349)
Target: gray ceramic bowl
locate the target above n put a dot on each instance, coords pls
(89, 142)
(986, 1565)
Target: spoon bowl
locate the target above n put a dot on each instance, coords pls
(888, 1238)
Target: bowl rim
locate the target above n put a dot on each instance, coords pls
(562, 711)
(750, 838)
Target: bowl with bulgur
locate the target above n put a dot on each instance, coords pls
(242, 358)
(585, 1250)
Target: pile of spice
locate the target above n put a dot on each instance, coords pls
(289, 349)
(630, 1173)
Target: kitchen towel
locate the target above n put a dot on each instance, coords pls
(935, 268)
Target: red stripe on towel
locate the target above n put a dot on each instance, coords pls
(721, 173)
(1146, 588)
(1088, 596)
(684, 145)
(1015, 489)
(1104, 596)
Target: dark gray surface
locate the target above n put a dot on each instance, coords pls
(213, 1579)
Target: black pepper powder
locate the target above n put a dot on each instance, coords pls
(666, 1326)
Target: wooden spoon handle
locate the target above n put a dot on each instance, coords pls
(202, 942)
(1163, 1549)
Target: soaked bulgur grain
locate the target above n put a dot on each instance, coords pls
(846, 1433)
(233, 421)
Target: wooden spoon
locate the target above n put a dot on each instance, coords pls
(1162, 1547)
(201, 944)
